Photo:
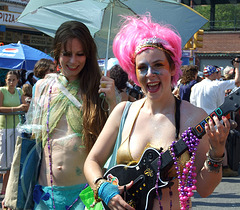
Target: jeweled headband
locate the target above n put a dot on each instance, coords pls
(152, 42)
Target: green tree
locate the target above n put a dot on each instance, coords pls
(227, 16)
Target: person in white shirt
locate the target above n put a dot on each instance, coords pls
(209, 94)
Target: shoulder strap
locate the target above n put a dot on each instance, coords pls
(68, 94)
(112, 160)
(177, 117)
(136, 107)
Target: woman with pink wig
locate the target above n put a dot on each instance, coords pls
(151, 55)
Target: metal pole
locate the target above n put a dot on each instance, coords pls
(108, 39)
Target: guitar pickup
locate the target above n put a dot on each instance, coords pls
(138, 183)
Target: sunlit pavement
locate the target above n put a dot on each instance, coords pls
(226, 196)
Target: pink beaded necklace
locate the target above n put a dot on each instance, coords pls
(187, 179)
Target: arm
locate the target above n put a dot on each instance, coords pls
(21, 107)
(100, 152)
(213, 142)
(103, 147)
(237, 74)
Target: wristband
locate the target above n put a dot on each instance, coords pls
(215, 159)
(98, 183)
(213, 164)
(96, 180)
(107, 191)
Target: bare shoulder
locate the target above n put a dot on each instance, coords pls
(120, 107)
(117, 112)
(191, 114)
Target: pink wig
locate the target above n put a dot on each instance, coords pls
(131, 34)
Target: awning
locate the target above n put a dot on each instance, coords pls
(217, 55)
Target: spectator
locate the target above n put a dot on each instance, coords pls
(27, 93)
(120, 78)
(10, 101)
(188, 79)
(30, 78)
(220, 73)
(44, 66)
(209, 94)
(22, 77)
(228, 73)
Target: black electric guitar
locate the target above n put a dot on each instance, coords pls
(144, 174)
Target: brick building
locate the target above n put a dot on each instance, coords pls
(218, 48)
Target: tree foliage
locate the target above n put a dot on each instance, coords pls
(227, 16)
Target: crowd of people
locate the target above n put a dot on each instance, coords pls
(83, 134)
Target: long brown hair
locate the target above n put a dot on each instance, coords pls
(94, 117)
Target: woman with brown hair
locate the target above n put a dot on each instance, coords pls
(67, 115)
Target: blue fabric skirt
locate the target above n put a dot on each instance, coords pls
(65, 197)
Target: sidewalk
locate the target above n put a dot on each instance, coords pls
(225, 197)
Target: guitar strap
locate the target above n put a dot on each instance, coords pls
(112, 161)
(177, 117)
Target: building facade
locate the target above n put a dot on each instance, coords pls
(11, 31)
(219, 48)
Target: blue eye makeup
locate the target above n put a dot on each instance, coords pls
(146, 68)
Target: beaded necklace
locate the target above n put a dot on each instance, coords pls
(186, 178)
(48, 143)
(49, 152)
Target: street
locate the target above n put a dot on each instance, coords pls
(226, 196)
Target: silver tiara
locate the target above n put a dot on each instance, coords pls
(150, 42)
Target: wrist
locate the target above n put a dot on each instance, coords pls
(98, 182)
(107, 191)
(213, 164)
(95, 181)
(215, 155)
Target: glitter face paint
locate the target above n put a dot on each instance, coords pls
(147, 69)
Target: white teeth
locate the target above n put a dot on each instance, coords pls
(153, 84)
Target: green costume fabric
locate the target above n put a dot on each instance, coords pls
(62, 105)
(62, 98)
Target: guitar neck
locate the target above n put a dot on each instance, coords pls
(230, 104)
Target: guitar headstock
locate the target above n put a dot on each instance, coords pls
(231, 104)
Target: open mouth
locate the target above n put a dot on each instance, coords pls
(72, 68)
(153, 87)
